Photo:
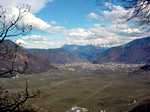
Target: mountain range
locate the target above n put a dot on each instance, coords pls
(41, 60)
(134, 52)
(87, 52)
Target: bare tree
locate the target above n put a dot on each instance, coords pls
(141, 11)
(12, 25)
(15, 102)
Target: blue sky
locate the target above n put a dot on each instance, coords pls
(81, 22)
(69, 13)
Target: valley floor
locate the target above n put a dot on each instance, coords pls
(114, 88)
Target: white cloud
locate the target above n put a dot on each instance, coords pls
(36, 5)
(78, 33)
(29, 17)
(37, 41)
(112, 27)
(114, 31)
(93, 15)
(116, 19)
(39, 24)
(35, 22)
(94, 36)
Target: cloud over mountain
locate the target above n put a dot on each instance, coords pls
(37, 41)
(109, 28)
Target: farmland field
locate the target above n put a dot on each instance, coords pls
(113, 90)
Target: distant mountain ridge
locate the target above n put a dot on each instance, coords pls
(69, 54)
(35, 64)
(56, 56)
(41, 60)
(87, 52)
(135, 52)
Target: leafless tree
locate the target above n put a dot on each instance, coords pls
(12, 25)
(15, 102)
(141, 11)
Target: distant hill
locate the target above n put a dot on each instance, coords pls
(136, 51)
(56, 56)
(87, 52)
(35, 64)
(69, 54)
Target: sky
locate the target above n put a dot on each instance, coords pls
(81, 22)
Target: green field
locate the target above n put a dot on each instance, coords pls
(95, 90)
